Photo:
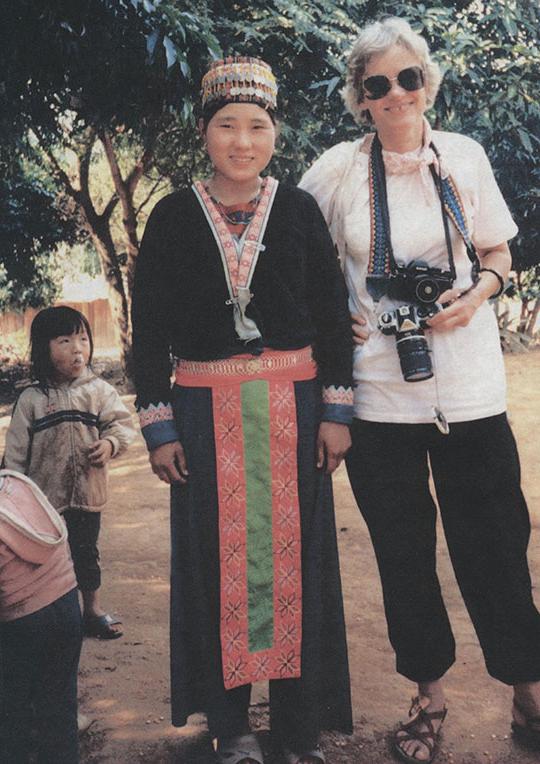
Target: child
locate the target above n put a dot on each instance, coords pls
(40, 627)
(64, 430)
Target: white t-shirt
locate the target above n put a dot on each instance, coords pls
(468, 381)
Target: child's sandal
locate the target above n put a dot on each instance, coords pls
(100, 626)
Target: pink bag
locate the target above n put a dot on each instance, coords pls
(29, 524)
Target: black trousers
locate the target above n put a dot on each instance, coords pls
(476, 474)
(83, 533)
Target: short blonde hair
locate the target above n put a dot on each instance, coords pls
(378, 38)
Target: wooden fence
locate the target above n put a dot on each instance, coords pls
(98, 313)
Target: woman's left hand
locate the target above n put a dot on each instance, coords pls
(333, 442)
(460, 307)
(458, 311)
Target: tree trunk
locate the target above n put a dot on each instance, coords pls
(118, 299)
(125, 189)
(99, 225)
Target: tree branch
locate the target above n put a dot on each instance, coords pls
(84, 160)
(125, 195)
(140, 168)
(125, 188)
(110, 206)
(116, 174)
(149, 195)
(60, 174)
(81, 195)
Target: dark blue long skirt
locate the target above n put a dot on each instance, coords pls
(196, 667)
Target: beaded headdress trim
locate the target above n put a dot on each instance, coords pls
(240, 79)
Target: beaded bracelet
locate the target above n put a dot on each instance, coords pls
(500, 279)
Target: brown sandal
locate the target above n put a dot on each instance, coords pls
(528, 733)
(429, 737)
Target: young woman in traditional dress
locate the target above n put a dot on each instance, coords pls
(238, 281)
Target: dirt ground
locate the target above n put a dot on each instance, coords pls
(124, 683)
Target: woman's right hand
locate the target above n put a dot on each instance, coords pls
(360, 332)
(169, 463)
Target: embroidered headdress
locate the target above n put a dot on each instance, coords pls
(239, 79)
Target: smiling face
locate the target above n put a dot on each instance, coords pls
(69, 354)
(399, 110)
(240, 141)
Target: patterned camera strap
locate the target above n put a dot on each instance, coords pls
(381, 256)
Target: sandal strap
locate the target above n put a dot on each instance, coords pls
(426, 738)
(418, 711)
(411, 730)
(417, 707)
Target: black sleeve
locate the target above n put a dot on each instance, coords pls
(150, 310)
(328, 300)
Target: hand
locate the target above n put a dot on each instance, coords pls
(100, 453)
(459, 308)
(169, 463)
(360, 333)
(333, 442)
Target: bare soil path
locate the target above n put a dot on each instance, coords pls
(124, 683)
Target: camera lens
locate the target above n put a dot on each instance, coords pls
(427, 290)
(414, 358)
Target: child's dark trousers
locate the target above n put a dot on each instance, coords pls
(83, 533)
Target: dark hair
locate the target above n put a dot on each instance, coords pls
(216, 106)
(46, 326)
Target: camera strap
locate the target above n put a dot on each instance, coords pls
(382, 262)
(451, 206)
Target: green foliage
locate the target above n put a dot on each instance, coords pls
(490, 57)
(77, 71)
(31, 226)
(305, 43)
(102, 62)
(73, 73)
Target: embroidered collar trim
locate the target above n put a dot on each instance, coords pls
(239, 259)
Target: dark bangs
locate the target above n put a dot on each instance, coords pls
(46, 326)
(215, 106)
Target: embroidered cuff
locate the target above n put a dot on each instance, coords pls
(337, 404)
(334, 412)
(157, 425)
(342, 396)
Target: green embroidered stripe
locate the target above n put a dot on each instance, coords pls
(260, 569)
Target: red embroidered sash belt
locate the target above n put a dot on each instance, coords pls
(255, 427)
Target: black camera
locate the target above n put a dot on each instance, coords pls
(418, 283)
(408, 323)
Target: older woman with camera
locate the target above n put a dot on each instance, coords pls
(422, 229)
